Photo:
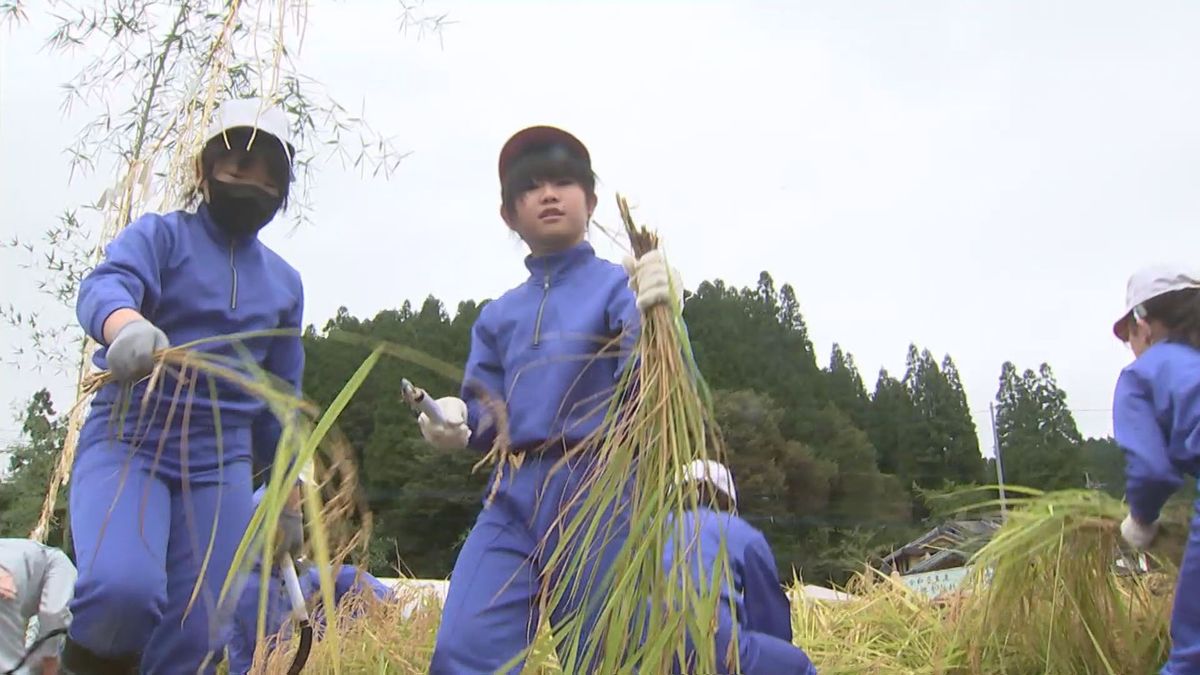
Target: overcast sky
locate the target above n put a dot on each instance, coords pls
(979, 178)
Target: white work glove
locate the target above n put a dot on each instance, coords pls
(1137, 535)
(131, 354)
(651, 279)
(451, 435)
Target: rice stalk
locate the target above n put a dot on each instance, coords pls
(1008, 618)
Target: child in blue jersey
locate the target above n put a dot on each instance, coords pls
(157, 494)
(538, 350)
(1156, 421)
(348, 581)
(764, 613)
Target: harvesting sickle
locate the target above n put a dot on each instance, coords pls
(281, 564)
(421, 402)
(287, 588)
(287, 568)
(348, 581)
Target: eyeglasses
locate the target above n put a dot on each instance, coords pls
(1136, 315)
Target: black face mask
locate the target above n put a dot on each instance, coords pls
(239, 209)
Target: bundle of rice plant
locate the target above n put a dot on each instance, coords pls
(1045, 595)
(659, 420)
(1049, 595)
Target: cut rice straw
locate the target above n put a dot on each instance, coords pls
(1009, 620)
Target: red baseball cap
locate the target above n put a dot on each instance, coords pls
(540, 136)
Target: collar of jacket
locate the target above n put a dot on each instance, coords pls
(557, 265)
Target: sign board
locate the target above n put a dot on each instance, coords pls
(933, 584)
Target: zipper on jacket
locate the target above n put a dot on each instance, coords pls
(537, 327)
(233, 269)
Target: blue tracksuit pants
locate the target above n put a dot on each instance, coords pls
(491, 612)
(1185, 617)
(141, 539)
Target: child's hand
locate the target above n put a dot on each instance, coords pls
(1137, 535)
(131, 354)
(651, 278)
(453, 434)
(8, 586)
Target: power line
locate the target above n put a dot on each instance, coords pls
(983, 411)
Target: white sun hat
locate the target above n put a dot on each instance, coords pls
(254, 113)
(1150, 282)
(713, 472)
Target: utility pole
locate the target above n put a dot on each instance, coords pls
(999, 463)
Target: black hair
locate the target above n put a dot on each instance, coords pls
(709, 496)
(1178, 312)
(543, 164)
(279, 163)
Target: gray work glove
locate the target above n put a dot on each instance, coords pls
(290, 535)
(131, 354)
